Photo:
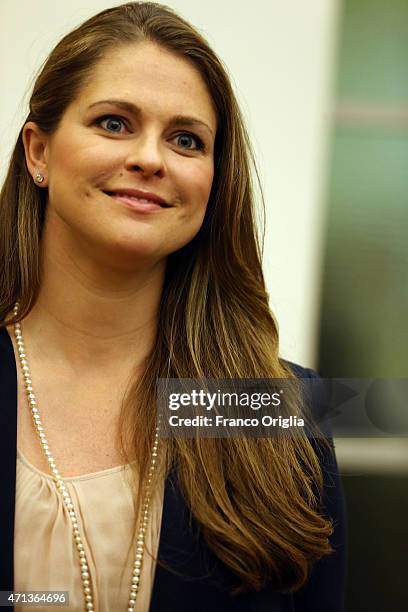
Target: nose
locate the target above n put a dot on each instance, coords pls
(145, 155)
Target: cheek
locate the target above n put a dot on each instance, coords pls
(69, 187)
(74, 160)
(195, 185)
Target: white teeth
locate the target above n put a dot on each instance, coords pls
(130, 197)
(142, 200)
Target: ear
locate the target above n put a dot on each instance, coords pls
(36, 147)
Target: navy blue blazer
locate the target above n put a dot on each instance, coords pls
(188, 575)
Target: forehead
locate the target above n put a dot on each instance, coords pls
(151, 77)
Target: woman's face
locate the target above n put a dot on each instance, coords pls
(140, 132)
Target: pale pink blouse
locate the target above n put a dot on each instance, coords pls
(45, 556)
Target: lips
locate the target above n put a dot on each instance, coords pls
(139, 196)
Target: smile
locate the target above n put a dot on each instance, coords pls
(137, 200)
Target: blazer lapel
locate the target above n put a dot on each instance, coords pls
(8, 451)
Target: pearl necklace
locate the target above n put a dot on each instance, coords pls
(61, 487)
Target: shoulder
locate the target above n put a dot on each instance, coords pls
(299, 371)
(7, 361)
(315, 395)
(326, 586)
(5, 340)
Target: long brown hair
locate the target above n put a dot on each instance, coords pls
(256, 501)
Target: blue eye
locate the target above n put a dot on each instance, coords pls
(111, 124)
(185, 140)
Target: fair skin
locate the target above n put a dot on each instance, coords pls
(95, 319)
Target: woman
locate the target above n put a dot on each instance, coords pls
(130, 254)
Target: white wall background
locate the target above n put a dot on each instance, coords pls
(280, 54)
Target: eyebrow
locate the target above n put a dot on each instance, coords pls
(135, 110)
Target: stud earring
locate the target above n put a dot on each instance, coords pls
(39, 178)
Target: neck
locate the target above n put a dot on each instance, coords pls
(93, 318)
